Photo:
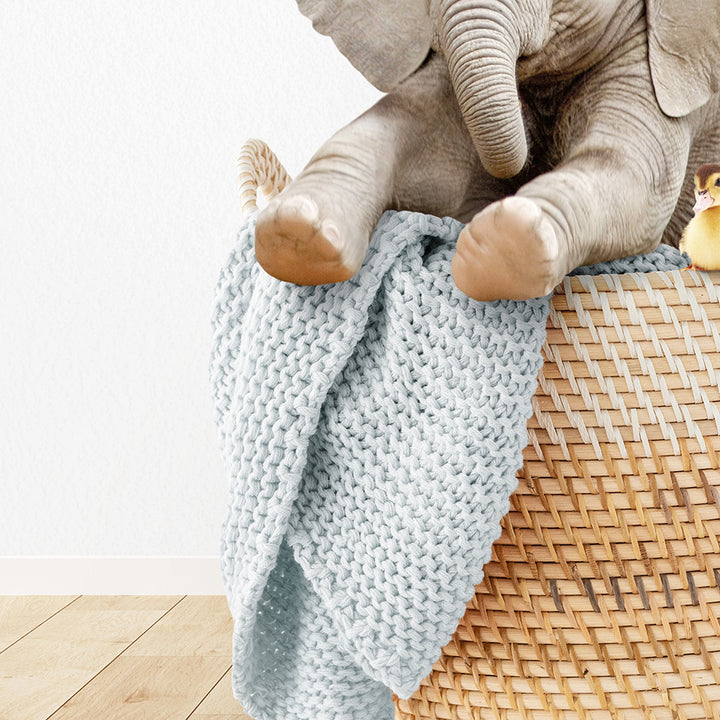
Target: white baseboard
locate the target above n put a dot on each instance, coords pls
(110, 576)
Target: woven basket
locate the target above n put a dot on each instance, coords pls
(602, 596)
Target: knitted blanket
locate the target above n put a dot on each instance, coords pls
(371, 431)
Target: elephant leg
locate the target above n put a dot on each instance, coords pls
(612, 193)
(410, 151)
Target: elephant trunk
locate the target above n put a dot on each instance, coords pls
(481, 43)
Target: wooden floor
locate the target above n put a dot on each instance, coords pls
(116, 657)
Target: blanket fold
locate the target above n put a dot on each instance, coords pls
(371, 431)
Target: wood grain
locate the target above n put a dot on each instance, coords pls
(19, 614)
(167, 672)
(146, 687)
(198, 625)
(120, 657)
(50, 664)
(220, 703)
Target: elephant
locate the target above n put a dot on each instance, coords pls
(561, 133)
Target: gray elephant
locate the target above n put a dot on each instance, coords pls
(563, 132)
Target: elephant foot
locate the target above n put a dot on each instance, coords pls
(311, 235)
(508, 251)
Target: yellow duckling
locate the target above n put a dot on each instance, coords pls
(701, 238)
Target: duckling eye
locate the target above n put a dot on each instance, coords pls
(717, 183)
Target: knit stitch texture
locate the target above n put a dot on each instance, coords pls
(371, 432)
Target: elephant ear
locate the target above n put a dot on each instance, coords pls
(684, 52)
(385, 40)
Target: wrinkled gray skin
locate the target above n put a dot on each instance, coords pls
(564, 133)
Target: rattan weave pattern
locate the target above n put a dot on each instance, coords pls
(602, 596)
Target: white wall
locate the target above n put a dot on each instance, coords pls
(120, 124)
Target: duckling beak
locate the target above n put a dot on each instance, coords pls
(703, 201)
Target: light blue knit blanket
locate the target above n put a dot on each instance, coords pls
(371, 431)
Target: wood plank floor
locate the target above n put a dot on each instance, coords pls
(117, 657)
